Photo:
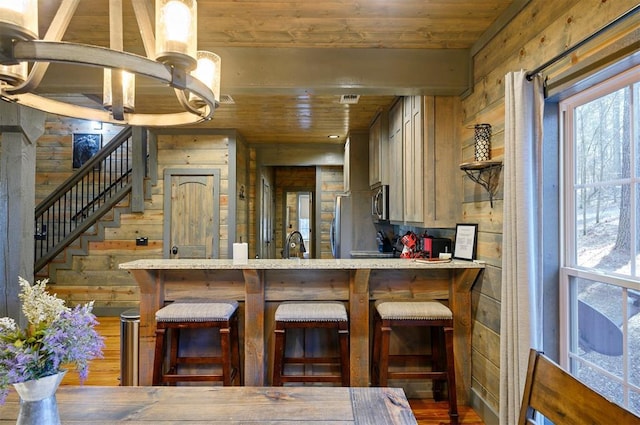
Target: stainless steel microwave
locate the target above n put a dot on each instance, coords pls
(380, 203)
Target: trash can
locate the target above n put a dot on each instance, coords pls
(129, 347)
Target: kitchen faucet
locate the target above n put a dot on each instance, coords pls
(290, 243)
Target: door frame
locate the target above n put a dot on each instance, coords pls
(166, 231)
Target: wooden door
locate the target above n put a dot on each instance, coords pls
(192, 205)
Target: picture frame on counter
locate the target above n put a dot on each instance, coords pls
(466, 242)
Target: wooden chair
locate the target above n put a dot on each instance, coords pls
(563, 399)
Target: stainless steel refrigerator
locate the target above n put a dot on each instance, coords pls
(340, 233)
(352, 227)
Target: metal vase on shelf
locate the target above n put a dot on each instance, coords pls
(38, 405)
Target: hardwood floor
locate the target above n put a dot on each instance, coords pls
(106, 371)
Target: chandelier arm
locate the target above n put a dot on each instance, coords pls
(49, 51)
(184, 102)
(117, 99)
(84, 54)
(56, 30)
(61, 20)
(70, 110)
(143, 12)
(116, 42)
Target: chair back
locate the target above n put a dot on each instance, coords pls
(564, 400)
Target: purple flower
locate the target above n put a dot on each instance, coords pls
(67, 338)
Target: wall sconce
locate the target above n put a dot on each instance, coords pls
(241, 192)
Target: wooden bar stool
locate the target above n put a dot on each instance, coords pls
(311, 315)
(181, 315)
(431, 314)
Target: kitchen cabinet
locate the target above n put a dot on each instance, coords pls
(378, 150)
(426, 181)
(442, 179)
(396, 196)
(412, 144)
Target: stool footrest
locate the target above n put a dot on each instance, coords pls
(172, 378)
(199, 360)
(312, 360)
(417, 375)
(310, 378)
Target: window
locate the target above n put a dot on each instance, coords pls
(600, 273)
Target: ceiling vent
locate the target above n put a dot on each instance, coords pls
(349, 99)
(226, 99)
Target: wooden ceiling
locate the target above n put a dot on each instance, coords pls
(286, 63)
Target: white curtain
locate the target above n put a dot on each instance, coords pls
(520, 326)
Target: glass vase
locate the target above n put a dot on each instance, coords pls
(38, 405)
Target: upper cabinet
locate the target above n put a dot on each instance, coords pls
(424, 153)
(378, 150)
(413, 152)
(442, 177)
(396, 202)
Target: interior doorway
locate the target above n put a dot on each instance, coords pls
(298, 216)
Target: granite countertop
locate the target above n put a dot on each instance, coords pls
(319, 264)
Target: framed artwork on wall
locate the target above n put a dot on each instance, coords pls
(466, 241)
(85, 145)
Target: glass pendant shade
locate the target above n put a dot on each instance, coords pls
(128, 90)
(19, 19)
(14, 74)
(176, 33)
(208, 72)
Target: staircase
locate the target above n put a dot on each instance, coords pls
(78, 212)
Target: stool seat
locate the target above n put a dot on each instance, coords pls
(189, 311)
(292, 311)
(197, 314)
(413, 310)
(433, 315)
(308, 315)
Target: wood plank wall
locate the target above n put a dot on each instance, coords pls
(331, 184)
(242, 194)
(541, 30)
(96, 276)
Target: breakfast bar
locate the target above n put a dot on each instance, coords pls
(260, 282)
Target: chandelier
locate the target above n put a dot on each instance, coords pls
(172, 59)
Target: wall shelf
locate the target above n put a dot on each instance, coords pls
(485, 173)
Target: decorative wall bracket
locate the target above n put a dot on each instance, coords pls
(485, 173)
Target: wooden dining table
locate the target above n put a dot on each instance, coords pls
(225, 405)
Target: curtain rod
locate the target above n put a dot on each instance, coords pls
(565, 53)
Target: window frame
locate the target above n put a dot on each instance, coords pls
(569, 269)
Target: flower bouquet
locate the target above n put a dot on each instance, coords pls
(55, 338)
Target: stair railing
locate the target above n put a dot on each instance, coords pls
(102, 182)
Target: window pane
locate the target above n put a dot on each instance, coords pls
(613, 390)
(600, 135)
(603, 228)
(599, 319)
(636, 126)
(633, 340)
(634, 403)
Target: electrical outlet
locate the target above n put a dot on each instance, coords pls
(142, 241)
